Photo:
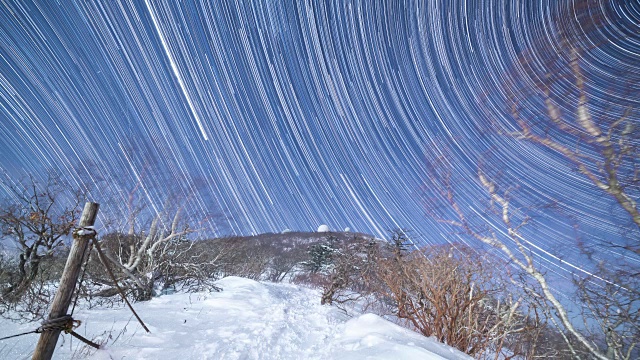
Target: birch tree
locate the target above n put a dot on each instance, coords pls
(603, 149)
(149, 242)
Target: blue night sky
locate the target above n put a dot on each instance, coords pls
(291, 114)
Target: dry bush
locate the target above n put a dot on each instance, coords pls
(181, 265)
(35, 299)
(191, 267)
(284, 263)
(455, 295)
(614, 307)
(242, 258)
(269, 257)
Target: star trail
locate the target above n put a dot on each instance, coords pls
(291, 114)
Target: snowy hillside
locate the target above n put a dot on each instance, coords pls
(248, 320)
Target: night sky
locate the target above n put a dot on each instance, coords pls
(292, 114)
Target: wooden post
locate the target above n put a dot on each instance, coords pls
(60, 306)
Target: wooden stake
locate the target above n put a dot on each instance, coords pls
(60, 306)
(105, 262)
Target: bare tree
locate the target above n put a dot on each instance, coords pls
(603, 146)
(609, 159)
(605, 151)
(142, 256)
(36, 219)
(592, 126)
(145, 246)
(513, 220)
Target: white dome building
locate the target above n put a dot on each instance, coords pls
(323, 228)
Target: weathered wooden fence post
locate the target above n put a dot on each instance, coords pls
(60, 306)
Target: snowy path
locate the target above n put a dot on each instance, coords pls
(248, 320)
(260, 321)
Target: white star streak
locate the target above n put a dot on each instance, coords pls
(176, 72)
(290, 114)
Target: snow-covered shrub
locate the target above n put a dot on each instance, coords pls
(321, 255)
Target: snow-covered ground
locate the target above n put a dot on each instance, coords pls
(248, 320)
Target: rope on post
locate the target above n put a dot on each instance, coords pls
(64, 323)
(68, 325)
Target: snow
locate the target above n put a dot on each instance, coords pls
(247, 320)
(87, 230)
